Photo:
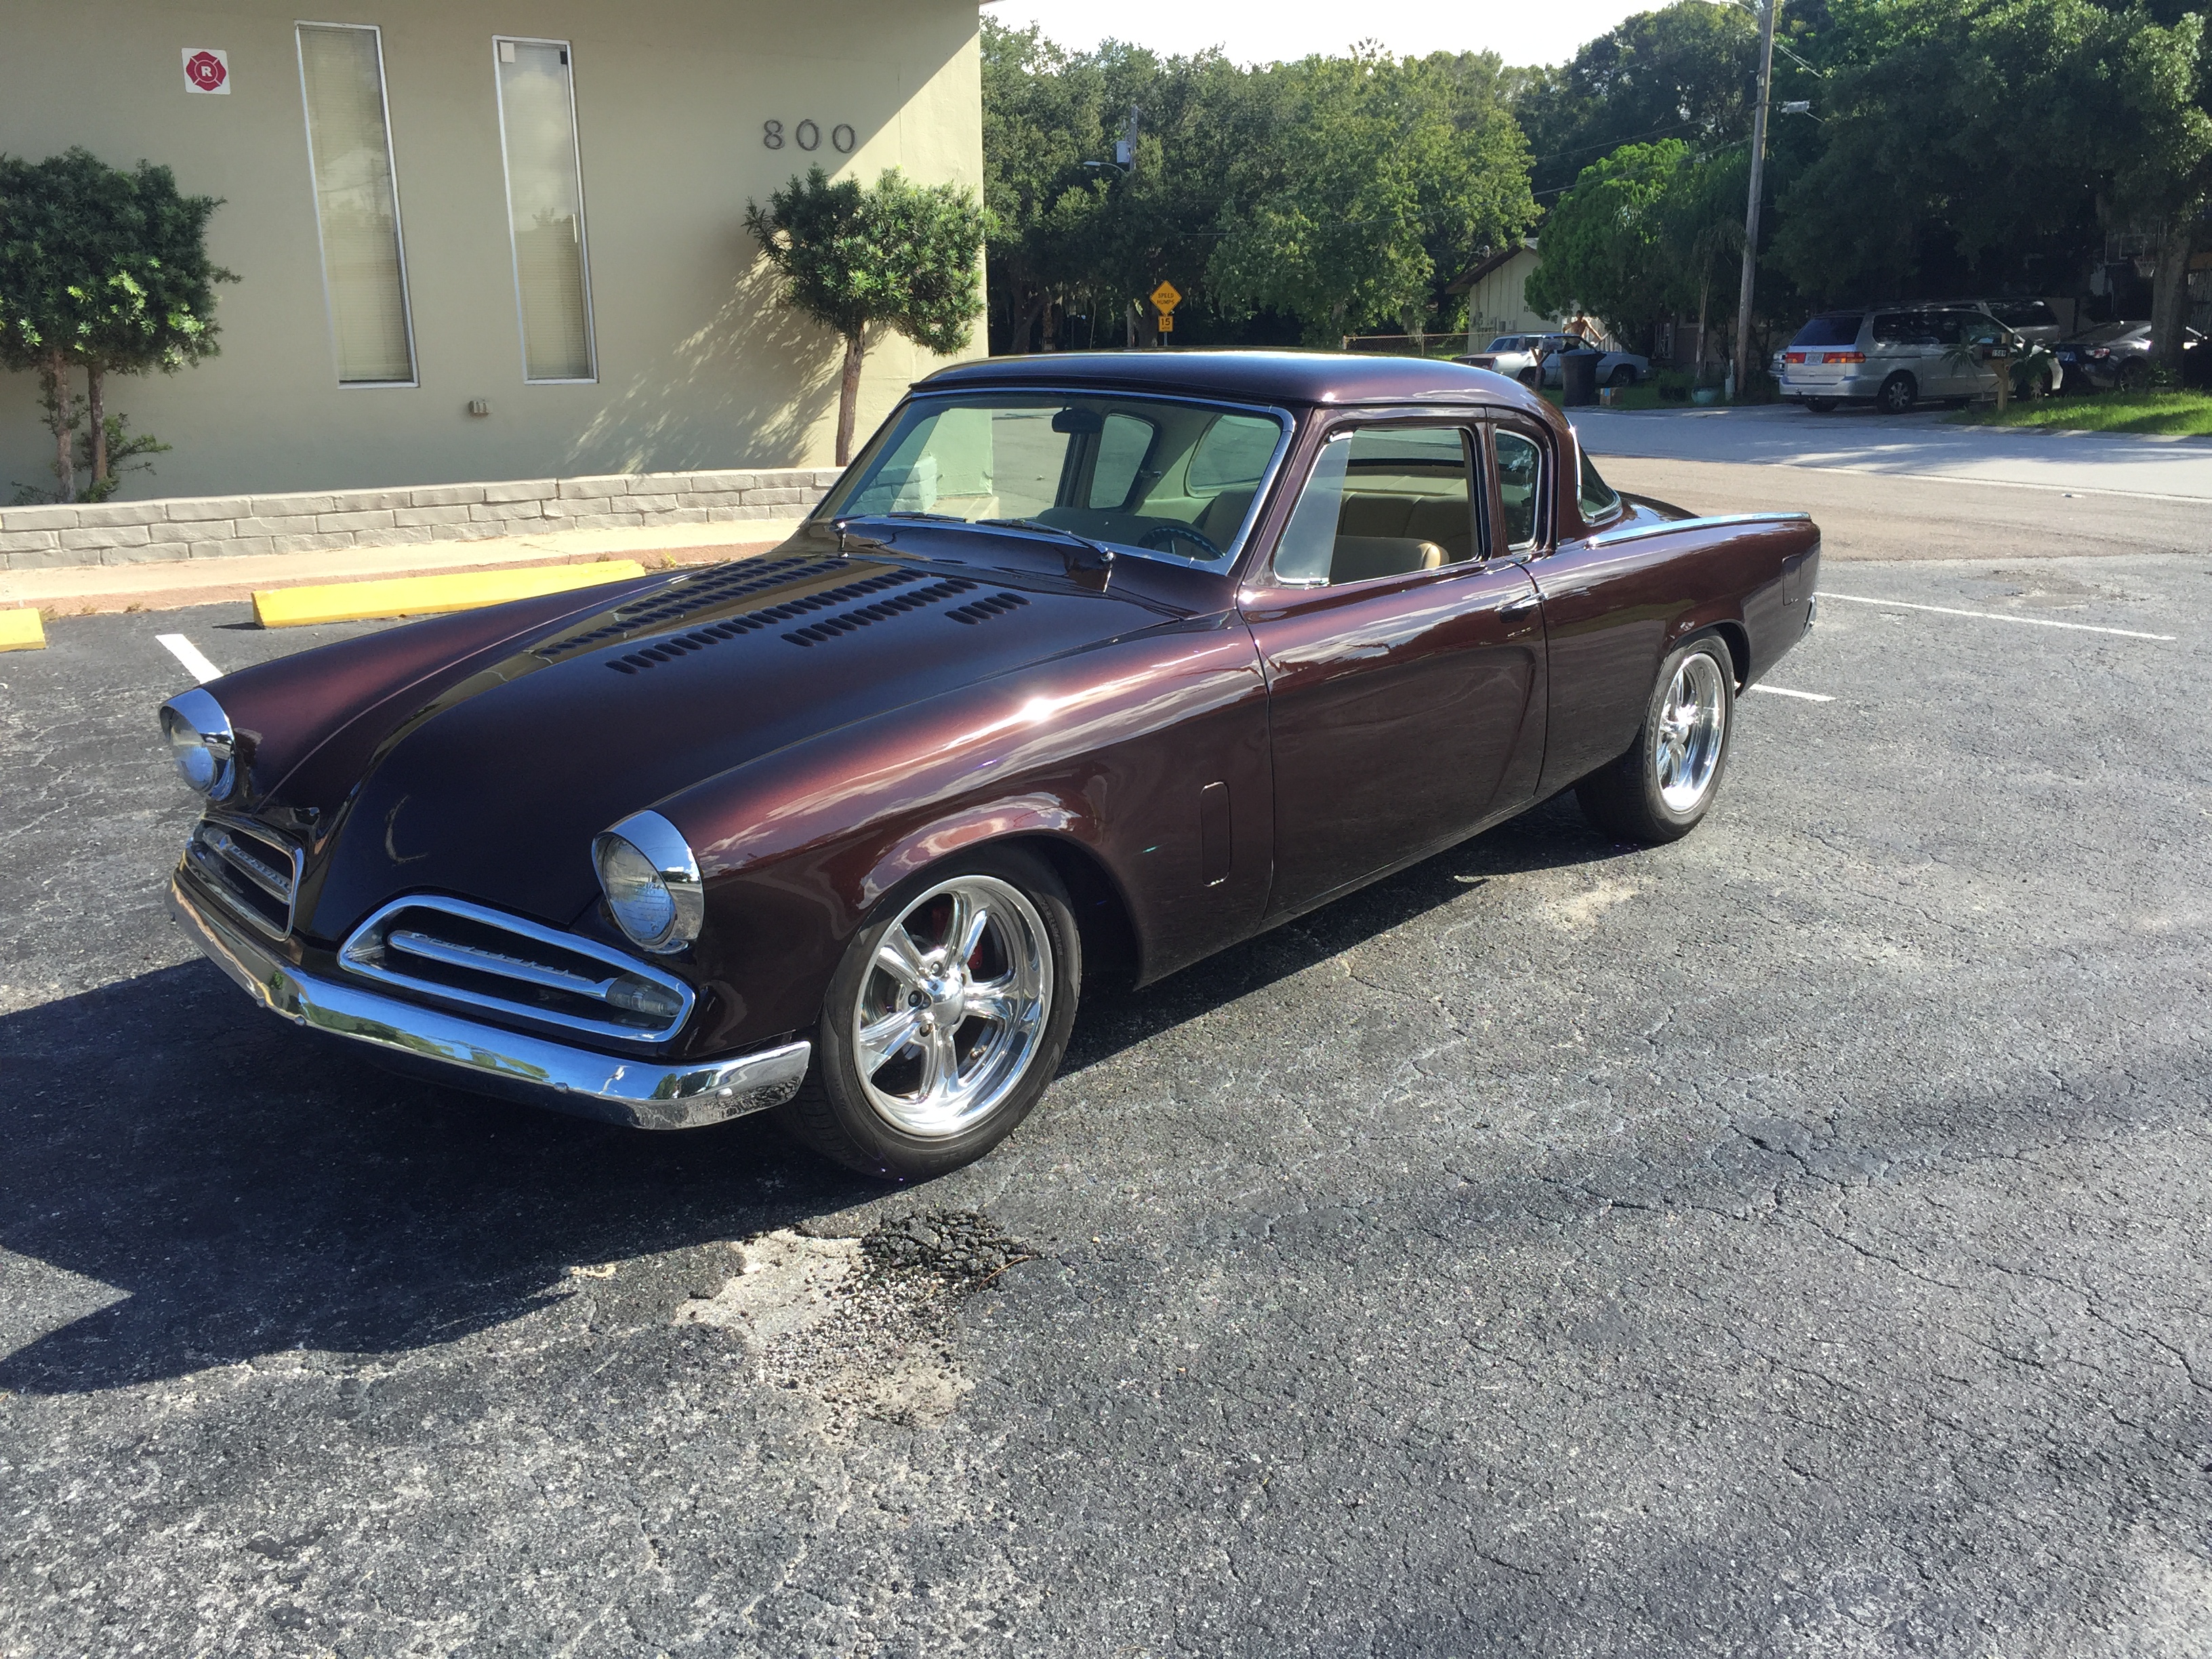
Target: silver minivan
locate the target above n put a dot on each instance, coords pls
(1893, 356)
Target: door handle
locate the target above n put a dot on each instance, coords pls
(1521, 606)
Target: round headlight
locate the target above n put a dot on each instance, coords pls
(652, 881)
(201, 741)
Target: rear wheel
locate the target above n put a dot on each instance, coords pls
(945, 1020)
(2135, 376)
(1898, 394)
(1664, 787)
(1821, 405)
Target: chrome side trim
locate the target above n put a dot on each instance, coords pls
(368, 949)
(466, 1055)
(1636, 532)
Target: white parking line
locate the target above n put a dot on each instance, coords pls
(189, 654)
(1995, 616)
(1785, 691)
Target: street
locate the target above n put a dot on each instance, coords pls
(1790, 1241)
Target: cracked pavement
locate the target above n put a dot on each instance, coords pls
(1790, 1241)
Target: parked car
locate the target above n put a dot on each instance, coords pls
(1534, 360)
(2033, 320)
(1892, 356)
(2115, 354)
(1088, 667)
(1516, 356)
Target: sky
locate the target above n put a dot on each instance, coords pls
(1258, 31)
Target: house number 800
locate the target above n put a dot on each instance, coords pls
(807, 135)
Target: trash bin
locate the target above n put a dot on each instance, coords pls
(1578, 378)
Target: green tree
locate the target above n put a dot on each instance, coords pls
(1375, 165)
(892, 255)
(1681, 72)
(106, 271)
(1993, 142)
(1606, 247)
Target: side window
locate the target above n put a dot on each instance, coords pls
(1234, 453)
(1598, 500)
(1891, 328)
(1123, 443)
(1382, 502)
(1519, 488)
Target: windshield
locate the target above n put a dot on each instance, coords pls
(1165, 477)
(1842, 329)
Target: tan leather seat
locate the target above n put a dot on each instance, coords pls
(1225, 516)
(1363, 558)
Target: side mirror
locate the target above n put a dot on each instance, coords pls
(1078, 422)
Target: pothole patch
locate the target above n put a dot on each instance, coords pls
(862, 1327)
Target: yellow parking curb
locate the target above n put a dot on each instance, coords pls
(425, 596)
(21, 630)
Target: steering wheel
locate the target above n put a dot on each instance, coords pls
(1160, 535)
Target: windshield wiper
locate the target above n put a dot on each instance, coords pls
(1100, 562)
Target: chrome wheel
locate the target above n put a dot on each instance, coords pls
(1685, 746)
(953, 1005)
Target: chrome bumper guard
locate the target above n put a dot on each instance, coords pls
(487, 1058)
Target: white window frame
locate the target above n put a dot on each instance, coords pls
(583, 214)
(413, 380)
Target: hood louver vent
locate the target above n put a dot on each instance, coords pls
(679, 645)
(696, 593)
(983, 610)
(830, 627)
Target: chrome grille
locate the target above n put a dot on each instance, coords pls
(454, 951)
(253, 871)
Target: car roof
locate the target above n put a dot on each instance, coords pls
(1272, 377)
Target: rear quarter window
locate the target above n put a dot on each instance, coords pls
(1837, 329)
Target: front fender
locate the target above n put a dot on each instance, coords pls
(1109, 747)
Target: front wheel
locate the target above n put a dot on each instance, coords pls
(1624, 375)
(945, 1020)
(1664, 787)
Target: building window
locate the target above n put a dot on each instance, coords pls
(356, 203)
(545, 209)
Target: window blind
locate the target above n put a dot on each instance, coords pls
(545, 209)
(350, 152)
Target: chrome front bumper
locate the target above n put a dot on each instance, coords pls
(487, 1058)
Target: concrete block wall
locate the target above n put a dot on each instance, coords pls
(225, 526)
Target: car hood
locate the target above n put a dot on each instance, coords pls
(494, 787)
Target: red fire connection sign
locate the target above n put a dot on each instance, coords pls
(206, 69)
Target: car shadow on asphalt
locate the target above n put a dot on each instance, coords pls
(249, 1188)
(233, 1188)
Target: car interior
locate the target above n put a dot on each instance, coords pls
(1156, 476)
(1383, 501)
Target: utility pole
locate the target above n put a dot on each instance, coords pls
(1743, 365)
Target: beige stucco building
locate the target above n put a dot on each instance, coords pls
(1496, 301)
(532, 206)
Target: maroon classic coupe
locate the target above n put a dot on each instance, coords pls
(1091, 665)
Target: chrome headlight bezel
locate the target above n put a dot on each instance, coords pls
(646, 852)
(201, 743)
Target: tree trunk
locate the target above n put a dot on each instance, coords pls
(1018, 343)
(61, 415)
(95, 410)
(2169, 295)
(1704, 296)
(849, 394)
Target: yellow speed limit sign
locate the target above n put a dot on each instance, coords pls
(1166, 298)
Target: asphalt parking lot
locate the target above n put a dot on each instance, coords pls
(1790, 1242)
